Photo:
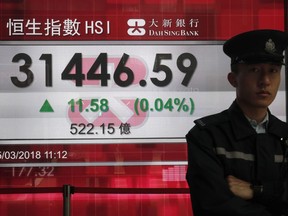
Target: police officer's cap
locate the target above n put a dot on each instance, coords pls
(258, 46)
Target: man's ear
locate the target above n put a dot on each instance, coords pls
(232, 79)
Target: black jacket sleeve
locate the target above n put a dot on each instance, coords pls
(210, 194)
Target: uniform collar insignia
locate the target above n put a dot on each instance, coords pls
(270, 46)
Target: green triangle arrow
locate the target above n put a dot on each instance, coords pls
(46, 107)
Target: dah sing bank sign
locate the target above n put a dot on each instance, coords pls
(114, 28)
(167, 27)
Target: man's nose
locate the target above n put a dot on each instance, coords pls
(264, 79)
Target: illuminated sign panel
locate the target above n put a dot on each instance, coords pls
(94, 92)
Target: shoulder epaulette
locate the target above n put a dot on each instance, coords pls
(211, 120)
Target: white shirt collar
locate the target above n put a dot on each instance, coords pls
(259, 127)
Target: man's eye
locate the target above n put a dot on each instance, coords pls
(274, 70)
(255, 70)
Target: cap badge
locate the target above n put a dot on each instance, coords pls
(270, 46)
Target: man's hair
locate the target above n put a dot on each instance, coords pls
(234, 68)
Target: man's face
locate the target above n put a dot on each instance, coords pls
(256, 84)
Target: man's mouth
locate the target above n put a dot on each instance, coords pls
(263, 93)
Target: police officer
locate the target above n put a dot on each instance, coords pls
(236, 158)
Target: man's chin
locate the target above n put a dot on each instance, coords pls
(262, 103)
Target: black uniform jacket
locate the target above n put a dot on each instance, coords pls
(226, 144)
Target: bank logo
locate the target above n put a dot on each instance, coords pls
(136, 27)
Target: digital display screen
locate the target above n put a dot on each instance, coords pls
(104, 92)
